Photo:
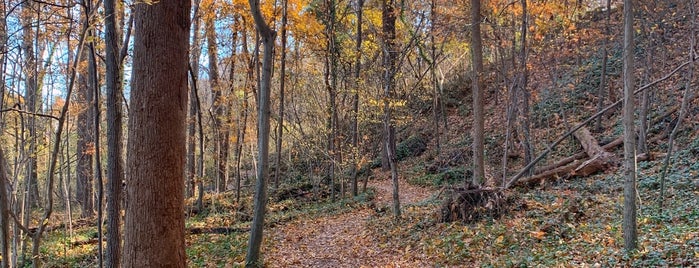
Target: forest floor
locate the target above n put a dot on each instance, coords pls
(343, 240)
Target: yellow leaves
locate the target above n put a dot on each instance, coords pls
(499, 240)
(537, 234)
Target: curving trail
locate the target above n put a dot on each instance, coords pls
(341, 240)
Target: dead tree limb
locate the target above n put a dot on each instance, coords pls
(550, 148)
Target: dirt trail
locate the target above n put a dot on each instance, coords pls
(341, 240)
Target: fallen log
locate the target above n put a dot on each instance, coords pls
(531, 164)
(217, 230)
(574, 169)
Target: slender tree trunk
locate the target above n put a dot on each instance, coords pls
(331, 85)
(31, 99)
(355, 97)
(156, 143)
(115, 162)
(4, 211)
(478, 91)
(688, 95)
(282, 84)
(605, 58)
(86, 143)
(219, 106)
(642, 146)
(524, 77)
(390, 54)
(263, 113)
(243, 114)
(629, 222)
(195, 51)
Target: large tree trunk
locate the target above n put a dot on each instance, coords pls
(478, 91)
(629, 222)
(115, 163)
(263, 113)
(154, 224)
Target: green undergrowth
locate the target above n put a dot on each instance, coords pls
(573, 222)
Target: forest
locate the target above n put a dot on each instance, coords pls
(349, 133)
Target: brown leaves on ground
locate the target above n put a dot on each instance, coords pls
(342, 240)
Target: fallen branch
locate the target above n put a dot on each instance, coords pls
(550, 148)
(217, 230)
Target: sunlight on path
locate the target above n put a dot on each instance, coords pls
(341, 240)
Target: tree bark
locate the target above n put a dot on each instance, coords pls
(154, 223)
(85, 143)
(4, 212)
(355, 97)
(219, 106)
(263, 114)
(478, 91)
(629, 221)
(282, 84)
(195, 53)
(31, 99)
(390, 54)
(115, 162)
(522, 86)
(605, 59)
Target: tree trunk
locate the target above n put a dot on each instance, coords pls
(282, 84)
(686, 100)
(605, 58)
(218, 104)
(355, 98)
(629, 222)
(31, 99)
(263, 113)
(522, 86)
(115, 162)
(195, 51)
(478, 91)
(388, 21)
(154, 223)
(4, 212)
(85, 144)
(331, 86)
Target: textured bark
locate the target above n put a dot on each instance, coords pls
(629, 222)
(85, 143)
(478, 90)
(263, 114)
(154, 223)
(592, 147)
(31, 102)
(115, 163)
